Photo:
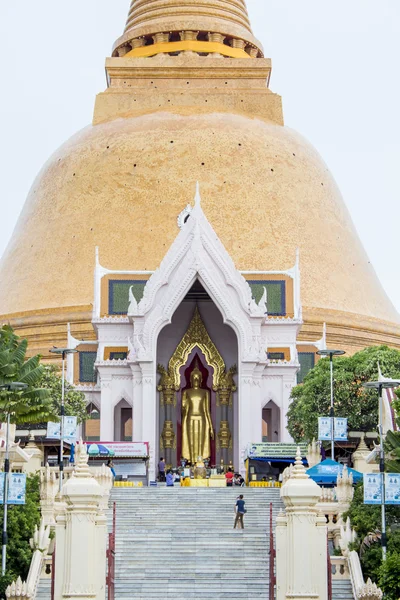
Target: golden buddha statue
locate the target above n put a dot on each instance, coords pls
(197, 426)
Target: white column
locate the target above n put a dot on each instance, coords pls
(83, 548)
(304, 570)
(287, 386)
(149, 408)
(106, 411)
(137, 393)
(246, 410)
(281, 554)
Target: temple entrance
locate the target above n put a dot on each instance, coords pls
(197, 356)
(123, 423)
(271, 416)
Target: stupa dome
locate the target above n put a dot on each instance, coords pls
(188, 101)
(121, 185)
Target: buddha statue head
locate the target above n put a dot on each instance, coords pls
(196, 378)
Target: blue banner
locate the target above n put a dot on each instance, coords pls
(392, 488)
(372, 488)
(340, 429)
(16, 488)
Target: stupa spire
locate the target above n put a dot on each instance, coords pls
(153, 22)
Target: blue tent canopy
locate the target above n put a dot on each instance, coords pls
(326, 472)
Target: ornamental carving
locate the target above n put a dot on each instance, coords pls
(168, 437)
(196, 336)
(166, 386)
(224, 438)
(226, 387)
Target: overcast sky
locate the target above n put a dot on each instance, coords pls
(335, 62)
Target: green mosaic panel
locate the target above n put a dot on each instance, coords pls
(87, 374)
(118, 295)
(276, 355)
(276, 295)
(307, 362)
(118, 355)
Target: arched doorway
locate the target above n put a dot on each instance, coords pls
(197, 336)
(91, 427)
(123, 422)
(271, 416)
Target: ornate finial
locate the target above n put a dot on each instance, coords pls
(263, 302)
(133, 303)
(82, 467)
(197, 197)
(299, 471)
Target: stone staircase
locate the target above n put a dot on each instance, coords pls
(180, 543)
(342, 589)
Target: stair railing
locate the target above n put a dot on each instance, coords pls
(272, 555)
(329, 567)
(110, 581)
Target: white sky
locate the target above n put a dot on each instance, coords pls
(335, 62)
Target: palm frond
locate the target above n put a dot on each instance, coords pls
(29, 365)
(18, 355)
(32, 377)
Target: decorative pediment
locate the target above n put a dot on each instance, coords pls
(197, 337)
(197, 253)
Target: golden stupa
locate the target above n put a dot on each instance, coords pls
(188, 100)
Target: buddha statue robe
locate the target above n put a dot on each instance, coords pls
(197, 426)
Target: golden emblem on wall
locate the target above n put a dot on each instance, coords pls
(168, 437)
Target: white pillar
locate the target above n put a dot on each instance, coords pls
(81, 537)
(137, 393)
(287, 386)
(247, 410)
(106, 411)
(150, 417)
(306, 572)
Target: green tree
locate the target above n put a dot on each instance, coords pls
(392, 462)
(32, 404)
(21, 524)
(366, 520)
(311, 399)
(75, 403)
(389, 576)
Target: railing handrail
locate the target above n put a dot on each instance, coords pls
(329, 567)
(272, 554)
(111, 556)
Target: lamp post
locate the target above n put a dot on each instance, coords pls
(63, 352)
(380, 386)
(331, 354)
(14, 386)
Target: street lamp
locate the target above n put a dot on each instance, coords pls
(380, 386)
(331, 354)
(14, 386)
(63, 352)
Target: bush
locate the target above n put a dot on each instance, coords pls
(389, 576)
(21, 524)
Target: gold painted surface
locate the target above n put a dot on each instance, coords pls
(196, 336)
(167, 386)
(273, 198)
(109, 349)
(197, 428)
(227, 17)
(188, 45)
(168, 437)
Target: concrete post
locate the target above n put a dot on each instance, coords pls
(81, 536)
(302, 551)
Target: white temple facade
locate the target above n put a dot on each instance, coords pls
(240, 328)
